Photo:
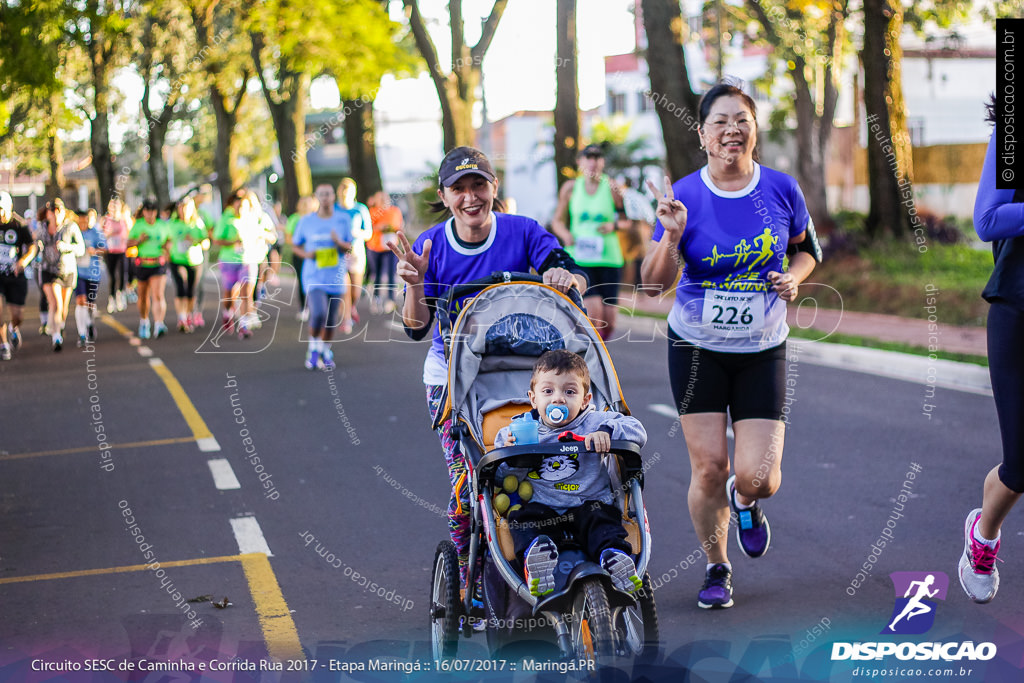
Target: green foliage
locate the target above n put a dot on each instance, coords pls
(622, 150)
(355, 40)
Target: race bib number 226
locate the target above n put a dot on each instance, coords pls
(731, 313)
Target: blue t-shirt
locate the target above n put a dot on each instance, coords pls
(732, 239)
(999, 219)
(515, 243)
(326, 269)
(361, 223)
(90, 266)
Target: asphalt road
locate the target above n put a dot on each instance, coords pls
(323, 547)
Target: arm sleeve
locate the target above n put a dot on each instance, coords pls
(299, 236)
(996, 217)
(801, 217)
(624, 428)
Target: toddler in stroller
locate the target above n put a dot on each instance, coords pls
(571, 493)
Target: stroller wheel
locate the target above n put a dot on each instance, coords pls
(640, 624)
(445, 608)
(592, 636)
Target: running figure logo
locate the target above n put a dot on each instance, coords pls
(914, 612)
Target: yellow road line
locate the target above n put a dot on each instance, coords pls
(279, 630)
(202, 433)
(111, 321)
(119, 570)
(90, 449)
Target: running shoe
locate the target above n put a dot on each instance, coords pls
(312, 359)
(144, 329)
(58, 343)
(375, 306)
(622, 569)
(978, 574)
(132, 296)
(160, 329)
(753, 532)
(122, 301)
(81, 340)
(14, 334)
(717, 590)
(111, 305)
(91, 334)
(327, 360)
(226, 324)
(5, 352)
(389, 306)
(539, 564)
(197, 320)
(355, 315)
(182, 327)
(243, 331)
(42, 329)
(346, 328)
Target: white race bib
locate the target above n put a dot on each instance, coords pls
(589, 248)
(728, 314)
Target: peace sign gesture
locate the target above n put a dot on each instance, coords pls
(412, 267)
(670, 211)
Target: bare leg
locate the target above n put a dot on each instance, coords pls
(758, 458)
(996, 504)
(709, 464)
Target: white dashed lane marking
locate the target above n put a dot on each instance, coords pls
(250, 536)
(223, 476)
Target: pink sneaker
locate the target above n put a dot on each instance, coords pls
(978, 574)
(197, 320)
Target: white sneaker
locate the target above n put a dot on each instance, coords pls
(978, 574)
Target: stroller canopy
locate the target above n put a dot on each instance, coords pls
(496, 340)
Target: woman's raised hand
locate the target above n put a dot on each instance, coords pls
(412, 267)
(670, 211)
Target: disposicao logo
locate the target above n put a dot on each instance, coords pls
(913, 614)
(916, 592)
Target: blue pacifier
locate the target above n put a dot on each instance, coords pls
(557, 413)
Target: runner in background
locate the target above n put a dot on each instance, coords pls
(387, 221)
(307, 205)
(587, 218)
(151, 236)
(61, 244)
(227, 235)
(90, 269)
(322, 240)
(362, 230)
(115, 226)
(188, 243)
(17, 249)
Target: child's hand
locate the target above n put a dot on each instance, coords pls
(510, 440)
(599, 442)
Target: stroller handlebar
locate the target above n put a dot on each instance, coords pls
(457, 292)
(531, 455)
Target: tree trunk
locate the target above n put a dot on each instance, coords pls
(55, 148)
(457, 91)
(99, 131)
(673, 99)
(812, 135)
(157, 168)
(889, 152)
(224, 151)
(567, 98)
(360, 136)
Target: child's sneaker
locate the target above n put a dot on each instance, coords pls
(753, 532)
(327, 359)
(717, 590)
(143, 329)
(312, 359)
(978, 574)
(622, 568)
(540, 562)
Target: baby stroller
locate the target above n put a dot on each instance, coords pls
(506, 322)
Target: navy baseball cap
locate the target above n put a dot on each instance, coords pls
(592, 151)
(463, 161)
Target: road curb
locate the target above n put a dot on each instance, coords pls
(944, 374)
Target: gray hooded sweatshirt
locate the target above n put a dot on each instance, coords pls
(567, 481)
